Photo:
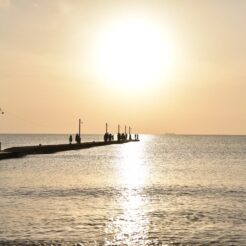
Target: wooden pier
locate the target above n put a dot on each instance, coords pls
(17, 152)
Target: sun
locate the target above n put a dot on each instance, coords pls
(133, 54)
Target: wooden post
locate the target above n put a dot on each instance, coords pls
(79, 126)
(106, 127)
(118, 128)
(1, 112)
(125, 129)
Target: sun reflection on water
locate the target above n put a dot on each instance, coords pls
(130, 225)
(132, 169)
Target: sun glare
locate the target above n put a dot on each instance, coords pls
(133, 55)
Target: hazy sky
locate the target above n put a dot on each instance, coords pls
(160, 66)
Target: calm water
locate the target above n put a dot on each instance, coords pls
(164, 190)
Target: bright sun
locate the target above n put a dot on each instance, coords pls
(133, 54)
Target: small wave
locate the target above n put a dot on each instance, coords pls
(49, 192)
(150, 192)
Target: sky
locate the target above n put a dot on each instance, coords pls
(158, 66)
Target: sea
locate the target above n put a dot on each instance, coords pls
(163, 190)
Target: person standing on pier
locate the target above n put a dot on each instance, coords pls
(70, 139)
(118, 134)
(125, 134)
(77, 139)
(106, 137)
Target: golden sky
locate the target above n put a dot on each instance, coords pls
(159, 66)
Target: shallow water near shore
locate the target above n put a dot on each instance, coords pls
(164, 190)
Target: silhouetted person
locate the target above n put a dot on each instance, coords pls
(78, 139)
(110, 137)
(105, 137)
(70, 139)
(130, 137)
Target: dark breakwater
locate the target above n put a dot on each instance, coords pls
(17, 152)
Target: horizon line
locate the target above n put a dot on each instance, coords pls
(165, 134)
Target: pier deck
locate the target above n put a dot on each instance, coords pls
(17, 152)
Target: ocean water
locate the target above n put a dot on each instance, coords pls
(163, 190)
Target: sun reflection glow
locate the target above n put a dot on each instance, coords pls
(133, 170)
(130, 226)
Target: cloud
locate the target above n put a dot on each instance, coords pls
(4, 4)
